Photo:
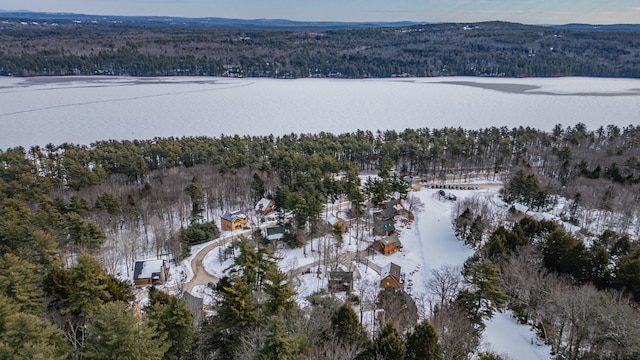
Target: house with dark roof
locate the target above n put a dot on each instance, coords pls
(384, 214)
(340, 281)
(274, 233)
(388, 245)
(232, 220)
(390, 276)
(150, 272)
(384, 228)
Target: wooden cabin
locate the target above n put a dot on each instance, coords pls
(233, 220)
(384, 228)
(265, 206)
(334, 221)
(390, 276)
(388, 245)
(150, 272)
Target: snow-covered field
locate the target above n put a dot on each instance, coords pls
(38, 111)
(428, 243)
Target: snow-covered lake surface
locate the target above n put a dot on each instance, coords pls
(82, 110)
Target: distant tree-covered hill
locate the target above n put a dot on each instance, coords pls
(138, 47)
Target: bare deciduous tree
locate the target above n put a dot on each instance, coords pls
(445, 283)
(457, 334)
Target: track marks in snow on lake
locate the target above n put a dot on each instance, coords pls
(124, 99)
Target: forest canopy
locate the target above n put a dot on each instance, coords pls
(482, 49)
(71, 215)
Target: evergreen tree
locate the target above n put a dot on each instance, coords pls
(82, 234)
(463, 224)
(388, 344)
(173, 320)
(279, 294)
(627, 274)
(564, 254)
(486, 294)
(257, 188)
(88, 290)
(279, 345)
(346, 326)
(237, 309)
(116, 333)
(476, 231)
(25, 336)
(85, 287)
(109, 203)
(197, 201)
(21, 282)
(422, 343)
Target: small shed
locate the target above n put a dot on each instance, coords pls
(232, 220)
(388, 245)
(265, 206)
(150, 272)
(390, 276)
(275, 233)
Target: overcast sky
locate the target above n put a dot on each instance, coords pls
(522, 11)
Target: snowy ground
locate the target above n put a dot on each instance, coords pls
(429, 243)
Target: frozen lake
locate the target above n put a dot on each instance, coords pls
(82, 110)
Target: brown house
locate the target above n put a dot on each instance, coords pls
(336, 221)
(233, 220)
(265, 206)
(388, 245)
(150, 272)
(390, 276)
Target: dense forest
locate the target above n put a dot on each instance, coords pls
(482, 49)
(72, 215)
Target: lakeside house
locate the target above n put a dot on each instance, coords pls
(150, 272)
(233, 220)
(265, 206)
(388, 244)
(390, 276)
(334, 221)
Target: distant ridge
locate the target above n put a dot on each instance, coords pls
(206, 22)
(591, 27)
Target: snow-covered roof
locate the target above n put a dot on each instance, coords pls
(390, 240)
(390, 269)
(145, 269)
(231, 215)
(262, 204)
(521, 207)
(332, 219)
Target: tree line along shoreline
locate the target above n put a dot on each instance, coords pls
(497, 49)
(82, 201)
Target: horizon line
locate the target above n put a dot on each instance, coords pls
(2, 11)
